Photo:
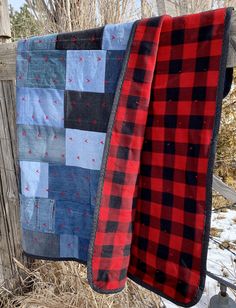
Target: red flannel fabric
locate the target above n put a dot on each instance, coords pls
(154, 196)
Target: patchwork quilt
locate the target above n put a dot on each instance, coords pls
(116, 136)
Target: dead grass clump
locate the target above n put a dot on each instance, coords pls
(64, 285)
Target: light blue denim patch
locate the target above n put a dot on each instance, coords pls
(37, 214)
(73, 218)
(69, 246)
(114, 61)
(41, 143)
(41, 244)
(85, 70)
(116, 36)
(69, 183)
(41, 69)
(84, 148)
(45, 42)
(37, 106)
(34, 179)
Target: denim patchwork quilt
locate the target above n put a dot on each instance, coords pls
(116, 131)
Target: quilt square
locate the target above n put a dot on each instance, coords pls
(85, 70)
(41, 69)
(69, 183)
(80, 40)
(87, 110)
(84, 148)
(41, 244)
(94, 180)
(34, 179)
(41, 143)
(69, 246)
(114, 61)
(37, 106)
(116, 36)
(37, 214)
(45, 42)
(83, 248)
(73, 218)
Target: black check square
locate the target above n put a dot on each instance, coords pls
(127, 128)
(141, 266)
(139, 75)
(115, 202)
(142, 243)
(146, 194)
(182, 288)
(111, 226)
(145, 48)
(123, 273)
(177, 37)
(168, 173)
(167, 199)
(118, 177)
(162, 252)
(170, 121)
(202, 64)
(199, 94)
(205, 33)
(107, 251)
(189, 233)
(160, 276)
(190, 205)
(191, 178)
(196, 122)
(172, 94)
(169, 147)
(126, 251)
(123, 152)
(132, 102)
(186, 260)
(175, 66)
(194, 150)
(165, 225)
(145, 219)
(103, 275)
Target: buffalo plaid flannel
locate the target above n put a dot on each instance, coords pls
(158, 158)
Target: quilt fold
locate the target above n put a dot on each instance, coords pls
(117, 129)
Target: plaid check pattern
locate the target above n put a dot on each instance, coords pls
(174, 131)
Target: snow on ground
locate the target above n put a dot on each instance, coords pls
(220, 261)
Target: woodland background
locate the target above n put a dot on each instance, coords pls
(64, 284)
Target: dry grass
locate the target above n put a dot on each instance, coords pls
(64, 285)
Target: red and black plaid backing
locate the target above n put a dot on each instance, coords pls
(174, 130)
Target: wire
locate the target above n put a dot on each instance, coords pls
(221, 280)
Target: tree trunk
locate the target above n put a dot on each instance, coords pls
(161, 7)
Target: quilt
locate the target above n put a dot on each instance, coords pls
(116, 136)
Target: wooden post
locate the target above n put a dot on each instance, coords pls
(10, 234)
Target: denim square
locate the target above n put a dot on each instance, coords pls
(114, 61)
(69, 183)
(94, 180)
(41, 143)
(34, 179)
(84, 148)
(37, 214)
(69, 247)
(83, 248)
(37, 106)
(41, 69)
(45, 42)
(85, 70)
(73, 218)
(41, 244)
(116, 36)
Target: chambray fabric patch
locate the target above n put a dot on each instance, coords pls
(41, 143)
(41, 68)
(37, 106)
(85, 70)
(116, 36)
(34, 179)
(73, 218)
(38, 214)
(41, 244)
(46, 42)
(84, 148)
